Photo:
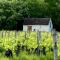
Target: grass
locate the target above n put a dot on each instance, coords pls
(25, 56)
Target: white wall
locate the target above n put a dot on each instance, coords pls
(37, 27)
(50, 28)
(40, 27)
(25, 27)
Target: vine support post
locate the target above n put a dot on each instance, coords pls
(38, 39)
(55, 44)
(15, 35)
(2, 33)
(25, 34)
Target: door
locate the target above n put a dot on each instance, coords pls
(29, 28)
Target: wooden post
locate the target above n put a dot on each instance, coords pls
(38, 38)
(55, 45)
(15, 34)
(8, 34)
(25, 34)
(24, 37)
(2, 33)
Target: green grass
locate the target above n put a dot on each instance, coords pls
(25, 56)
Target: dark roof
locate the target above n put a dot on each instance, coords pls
(36, 21)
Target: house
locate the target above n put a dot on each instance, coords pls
(37, 24)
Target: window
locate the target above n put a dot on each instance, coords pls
(34, 30)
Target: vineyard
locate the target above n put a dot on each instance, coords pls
(28, 42)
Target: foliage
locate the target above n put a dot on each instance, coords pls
(12, 12)
(10, 39)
